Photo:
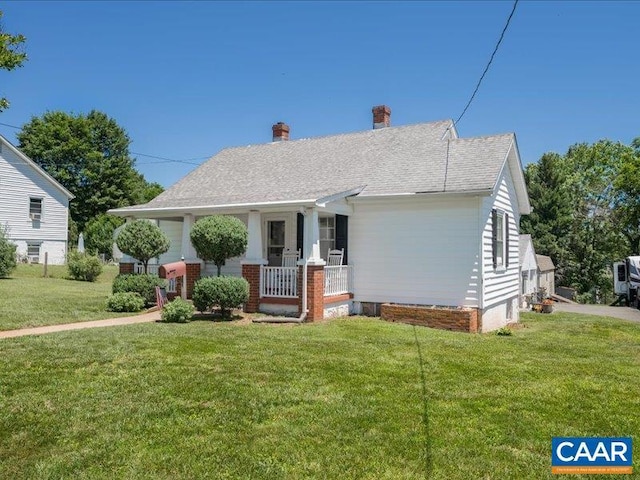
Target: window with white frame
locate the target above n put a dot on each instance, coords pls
(327, 235)
(33, 252)
(500, 239)
(35, 208)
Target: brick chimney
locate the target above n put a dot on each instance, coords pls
(280, 132)
(381, 116)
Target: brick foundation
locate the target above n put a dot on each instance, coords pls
(457, 319)
(193, 275)
(126, 268)
(251, 273)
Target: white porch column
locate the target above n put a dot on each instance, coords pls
(312, 238)
(254, 242)
(188, 252)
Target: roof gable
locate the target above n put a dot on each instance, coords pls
(6, 143)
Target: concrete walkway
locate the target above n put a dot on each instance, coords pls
(110, 322)
(624, 313)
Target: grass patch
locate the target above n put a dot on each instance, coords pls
(350, 398)
(27, 299)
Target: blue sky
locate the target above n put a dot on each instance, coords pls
(186, 79)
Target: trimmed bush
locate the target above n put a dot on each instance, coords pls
(7, 255)
(218, 238)
(83, 267)
(125, 302)
(143, 240)
(179, 311)
(223, 292)
(144, 285)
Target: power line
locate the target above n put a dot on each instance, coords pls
(188, 161)
(486, 69)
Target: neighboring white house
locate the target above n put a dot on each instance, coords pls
(528, 269)
(546, 274)
(424, 218)
(34, 208)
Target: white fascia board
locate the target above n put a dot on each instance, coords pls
(517, 176)
(37, 168)
(226, 208)
(322, 202)
(485, 192)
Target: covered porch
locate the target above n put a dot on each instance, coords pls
(310, 228)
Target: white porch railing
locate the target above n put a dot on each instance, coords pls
(279, 282)
(138, 269)
(337, 280)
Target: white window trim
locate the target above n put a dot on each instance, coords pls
(501, 248)
(41, 217)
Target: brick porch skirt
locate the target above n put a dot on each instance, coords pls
(444, 318)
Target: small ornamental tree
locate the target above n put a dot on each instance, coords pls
(142, 240)
(218, 238)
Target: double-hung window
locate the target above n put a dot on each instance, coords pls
(500, 239)
(33, 252)
(327, 235)
(35, 208)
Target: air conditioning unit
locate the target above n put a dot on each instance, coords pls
(35, 216)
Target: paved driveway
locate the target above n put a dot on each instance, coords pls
(625, 313)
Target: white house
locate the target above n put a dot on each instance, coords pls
(424, 218)
(34, 208)
(528, 269)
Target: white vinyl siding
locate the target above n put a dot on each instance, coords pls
(20, 182)
(501, 284)
(173, 230)
(418, 251)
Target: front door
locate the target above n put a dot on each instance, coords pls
(275, 242)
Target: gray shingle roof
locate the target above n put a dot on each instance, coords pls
(393, 160)
(545, 264)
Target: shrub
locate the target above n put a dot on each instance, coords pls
(83, 267)
(179, 311)
(504, 332)
(125, 302)
(218, 238)
(144, 285)
(7, 255)
(224, 292)
(143, 240)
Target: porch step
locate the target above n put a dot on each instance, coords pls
(277, 320)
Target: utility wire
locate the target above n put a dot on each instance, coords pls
(188, 161)
(486, 69)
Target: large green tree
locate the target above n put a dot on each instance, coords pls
(89, 155)
(551, 219)
(586, 211)
(626, 206)
(99, 234)
(11, 54)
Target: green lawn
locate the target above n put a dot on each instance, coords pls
(350, 398)
(27, 299)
